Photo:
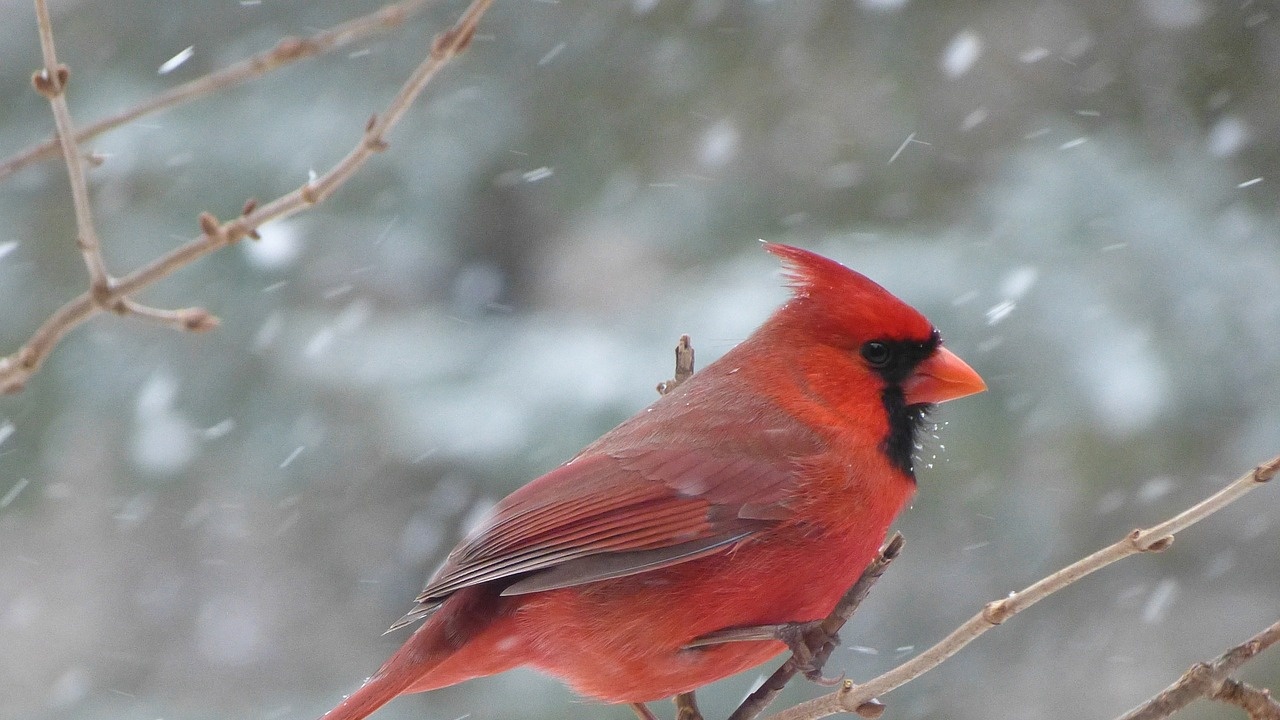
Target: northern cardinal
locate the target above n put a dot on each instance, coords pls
(750, 496)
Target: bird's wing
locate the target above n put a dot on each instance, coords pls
(607, 515)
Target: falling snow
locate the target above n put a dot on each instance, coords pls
(961, 54)
(537, 174)
(719, 145)
(1158, 603)
(998, 312)
(13, 492)
(551, 54)
(278, 248)
(176, 61)
(164, 441)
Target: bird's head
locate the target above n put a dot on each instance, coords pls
(876, 336)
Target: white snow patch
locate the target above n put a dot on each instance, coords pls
(176, 61)
(268, 332)
(477, 286)
(1124, 379)
(1110, 502)
(884, 6)
(278, 248)
(843, 175)
(1175, 14)
(1154, 489)
(70, 688)
(354, 316)
(961, 53)
(292, 456)
(14, 492)
(319, 342)
(135, 511)
(974, 119)
(1220, 565)
(1033, 55)
(551, 54)
(1227, 136)
(164, 440)
(228, 630)
(719, 145)
(1158, 603)
(1000, 311)
(536, 174)
(219, 430)
(1018, 281)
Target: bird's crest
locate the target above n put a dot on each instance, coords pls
(851, 300)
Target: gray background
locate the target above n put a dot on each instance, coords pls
(220, 526)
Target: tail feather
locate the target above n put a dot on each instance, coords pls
(448, 634)
(377, 691)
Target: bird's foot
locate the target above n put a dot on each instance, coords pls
(810, 644)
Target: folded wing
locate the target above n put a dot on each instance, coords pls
(608, 515)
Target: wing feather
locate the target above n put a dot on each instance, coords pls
(611, 514)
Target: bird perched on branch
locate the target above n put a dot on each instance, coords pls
(747, 499)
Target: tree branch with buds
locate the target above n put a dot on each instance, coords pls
(286, 52)
(107, 293)
(1153, 539)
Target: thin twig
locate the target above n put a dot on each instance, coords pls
(17, 368)
(1203, 679)
(642, 711)
(687, 706)
(684, 366)
(818, 641)
(287, 51)
(1257, 704)
(188, 319)
(1152, 539)
(51, 82)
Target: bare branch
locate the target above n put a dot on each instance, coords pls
(51, 82)
(17, 368)
(1153, 539)
(1205, 679)
(687, 707)
(1257, 704)
(286, 52)
(684, 366)
(190, 319)
(642, 711)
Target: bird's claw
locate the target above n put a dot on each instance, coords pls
(800, 637)
(817, 678)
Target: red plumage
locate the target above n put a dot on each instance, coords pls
(753, 494)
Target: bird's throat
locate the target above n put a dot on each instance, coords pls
(905, 424)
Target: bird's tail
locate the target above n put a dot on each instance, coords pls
(464, 616)
(376, 692)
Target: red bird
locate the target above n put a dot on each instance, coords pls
(751, 495)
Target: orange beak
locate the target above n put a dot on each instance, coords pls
(942, 377)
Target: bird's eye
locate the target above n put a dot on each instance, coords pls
(877, 354)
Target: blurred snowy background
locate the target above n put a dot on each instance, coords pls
(1081, 195)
